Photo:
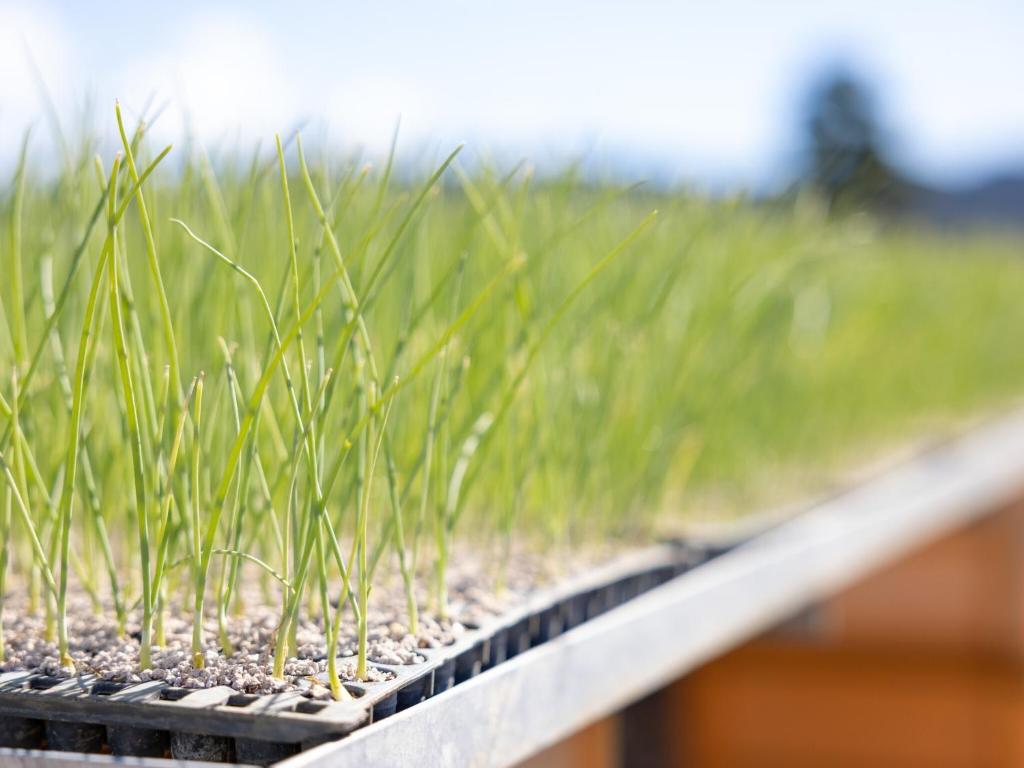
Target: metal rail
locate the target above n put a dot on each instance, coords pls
(37, 758)
(532, 701)
(516, 709)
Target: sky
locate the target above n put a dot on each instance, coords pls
(702, 92)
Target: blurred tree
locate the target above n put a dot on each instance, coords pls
(846, 161)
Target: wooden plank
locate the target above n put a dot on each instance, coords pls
(785, 705)
(596, 746)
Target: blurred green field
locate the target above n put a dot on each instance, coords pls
(732, 355)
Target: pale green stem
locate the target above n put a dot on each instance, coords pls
(199, 572)
(71, 463)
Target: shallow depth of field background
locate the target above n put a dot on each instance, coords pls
(841, 190)
(711, 95)
(839, 141)
(514, 354)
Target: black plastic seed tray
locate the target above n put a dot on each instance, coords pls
(556, 610)
(411, 683)
(83, 714)
(584, 597)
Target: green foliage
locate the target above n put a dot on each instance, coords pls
(385, 367)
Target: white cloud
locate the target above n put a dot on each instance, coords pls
(363, 110)
(713, 90)
(223, 77)
(29, 34)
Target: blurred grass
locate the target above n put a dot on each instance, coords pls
(733, 356)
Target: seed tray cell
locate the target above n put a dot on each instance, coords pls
(152, 719)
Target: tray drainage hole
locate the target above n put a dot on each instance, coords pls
(241, 700)
(107, 687)
(310, 707)
(43, 683)
(174, 694)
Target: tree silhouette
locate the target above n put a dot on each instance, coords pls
(846, 160)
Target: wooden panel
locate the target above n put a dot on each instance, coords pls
(965, 591)
(920, 664)
(596, 746)
(787, 705)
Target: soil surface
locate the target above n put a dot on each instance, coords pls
(97, 649)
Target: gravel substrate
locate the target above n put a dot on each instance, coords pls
(96, 648)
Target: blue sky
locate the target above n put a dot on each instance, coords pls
(699, 91)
